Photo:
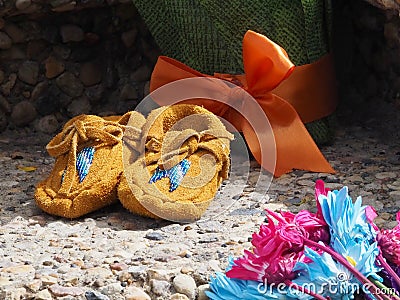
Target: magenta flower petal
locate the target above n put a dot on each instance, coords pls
(320, 189)
(262, 269)
(315, 226)
(389, 242)
(370, 214)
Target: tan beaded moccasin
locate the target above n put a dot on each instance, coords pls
(183, 159)
(88, 165)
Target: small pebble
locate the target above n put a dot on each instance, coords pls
(154, 236)
(94, 295)
(186, 270)
(179, 297)
(61, 291)
(49, 280)
(185, 284)
(43, 295)
(135, 293)
(118, 266)
(201, 295)
(137, 271)
(159, 287)
(384, 175)
(158, 274)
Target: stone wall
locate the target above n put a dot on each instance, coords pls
(59, 59)
(367, 53)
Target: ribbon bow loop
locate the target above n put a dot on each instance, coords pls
(269, 74)
(265, 63)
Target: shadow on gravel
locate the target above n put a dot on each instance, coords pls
(24, 163)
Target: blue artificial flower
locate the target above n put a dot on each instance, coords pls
(361, 254)
(225, 288)
(346, 220)
(324, 276)
(351, 234)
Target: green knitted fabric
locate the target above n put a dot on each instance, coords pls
(207, 34)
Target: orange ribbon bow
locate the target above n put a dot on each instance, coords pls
(282, 93)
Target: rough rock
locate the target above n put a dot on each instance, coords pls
(201, 295)
(179, 297)
(5, 106)
(135, 293)
(95, 93)
(185, 284)
(9, 84)
(22, 4)
(38, 90)
(128, 92)
(36, 49)
(79, 106)
(91, 73)
(71, 33)
(159, 287)
(129, 37)
(43, 295)
(16, 34)
(94, 295)
(28, 72)
(61, 291)
(23, 113)
(48, 124)
(141, 74)
(158, 274)
(5, 41)
(70, 84)
(3, 121)
(54, 67)
(112, 290)
(386, 4)
(2, 76)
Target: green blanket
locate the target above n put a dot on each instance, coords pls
(207, 34)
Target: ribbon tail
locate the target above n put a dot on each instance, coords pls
(295, 148)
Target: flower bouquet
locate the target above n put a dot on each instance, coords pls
(336, 253)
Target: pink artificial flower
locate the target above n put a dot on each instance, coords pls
(315, 226)
(276, 239)
(277, 247)
(268, 242)
(264, 269)
(389, 242)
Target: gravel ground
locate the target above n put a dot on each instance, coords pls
(112, 254)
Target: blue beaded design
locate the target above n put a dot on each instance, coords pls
(83, 162)
(175, 174)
